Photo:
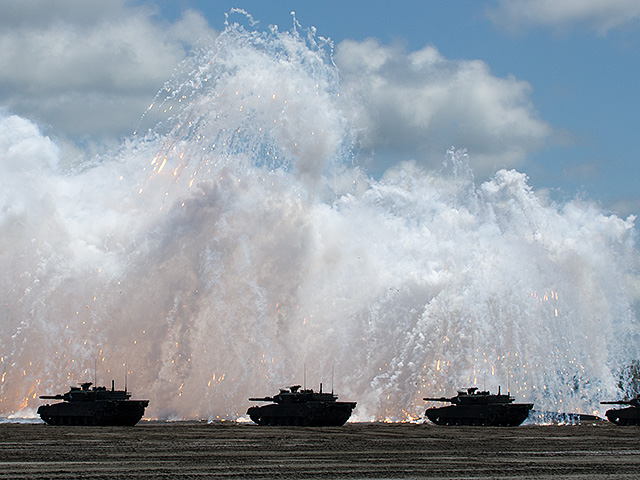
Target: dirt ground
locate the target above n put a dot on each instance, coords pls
(358, 451)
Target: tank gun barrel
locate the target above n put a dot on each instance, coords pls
(634, 401)
(441, 399)
(261, 399)
(52, 397)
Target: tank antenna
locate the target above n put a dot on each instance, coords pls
(125, 377)
(95, 374)
(332, 369)
(304, 376)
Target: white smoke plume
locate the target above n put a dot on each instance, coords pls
(235, 244)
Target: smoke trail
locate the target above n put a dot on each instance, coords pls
(234, 242)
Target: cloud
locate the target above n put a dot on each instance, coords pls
(88, 68)
(27, 160)
(420, 103)
(24, 149)
(593, 14)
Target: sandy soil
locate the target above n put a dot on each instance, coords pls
(359, 451)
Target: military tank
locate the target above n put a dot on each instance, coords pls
(474, 407)
(293, 406)
(624, 416)
(86, 405)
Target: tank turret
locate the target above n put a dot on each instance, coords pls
(624, 416)
(303, 407)
(474, 407)
(86, 405)
(474, 397)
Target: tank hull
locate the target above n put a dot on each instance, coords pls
(97, 413)
(309, 414)
(500, 415)
(624, 416)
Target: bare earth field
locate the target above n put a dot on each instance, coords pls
(359, 451)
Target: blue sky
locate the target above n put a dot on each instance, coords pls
(564, 75)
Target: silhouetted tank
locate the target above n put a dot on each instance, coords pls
(293, 406)
(474, 407)
(93, 406)
(624, 416)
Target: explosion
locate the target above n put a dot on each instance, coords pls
(235, 239)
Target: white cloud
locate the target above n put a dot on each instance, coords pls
(27, 159)
(88, 68)
(419, 104)
(598, 15)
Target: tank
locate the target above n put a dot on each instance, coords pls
(624, 416)
(473, 407)
(86, 405)
(293, 406)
